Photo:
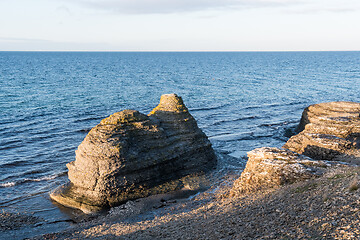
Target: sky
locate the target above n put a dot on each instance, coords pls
(180, 25)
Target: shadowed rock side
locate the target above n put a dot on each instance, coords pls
(329, 131)
(271, 167)
(131, 155)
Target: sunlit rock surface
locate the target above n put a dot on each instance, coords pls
(131, 155)
(329, 131)
(271, 167)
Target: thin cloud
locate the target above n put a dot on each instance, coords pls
(10, 39)
(177, 6)
(323, 10)
(29, 44)
(328, 6)
(64, 9)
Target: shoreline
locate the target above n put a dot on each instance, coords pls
(294, 192)
(291, 198)
(307, 209)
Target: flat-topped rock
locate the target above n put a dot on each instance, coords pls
(271, 167)
(329, 131)
(131, 155)
(170, 103)
(330, 113)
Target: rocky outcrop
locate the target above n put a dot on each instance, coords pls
(131, 155)
(271, 167)
(329, 131)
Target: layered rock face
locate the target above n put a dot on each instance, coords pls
(329, 131)
(131, 155)
(272, 167)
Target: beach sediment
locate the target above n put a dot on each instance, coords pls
(324, 208)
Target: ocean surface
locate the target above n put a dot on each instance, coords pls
(241, 100)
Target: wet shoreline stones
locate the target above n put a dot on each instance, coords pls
(11, 221)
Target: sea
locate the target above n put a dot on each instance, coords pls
(241, 100)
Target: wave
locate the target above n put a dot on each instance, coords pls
(22, 127)
(235, 120)
(15, 163)
(352, 71)
(11, 143)
(41, 178)
(230, 137)
(7, 184)
(208, 108)
(25, 180)
(87, 119)
(278, 124)
(271, 105)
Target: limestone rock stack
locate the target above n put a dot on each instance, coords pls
(271, 167)
(329, 131)
(131, 155)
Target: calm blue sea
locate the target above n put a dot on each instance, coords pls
(241, 100)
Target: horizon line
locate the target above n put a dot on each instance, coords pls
(179, 51)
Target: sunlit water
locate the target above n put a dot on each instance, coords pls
(49, 101)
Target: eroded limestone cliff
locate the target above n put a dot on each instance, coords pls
(131, 155)
(327, 131)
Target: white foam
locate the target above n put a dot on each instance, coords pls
(7, 184)
(42, 178)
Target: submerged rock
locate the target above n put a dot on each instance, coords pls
(131, 155)
(329, 131)
(271, 167)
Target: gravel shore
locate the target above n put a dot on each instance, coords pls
(322, 208)
(11, 221)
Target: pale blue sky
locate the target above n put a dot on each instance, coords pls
(180, 25)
